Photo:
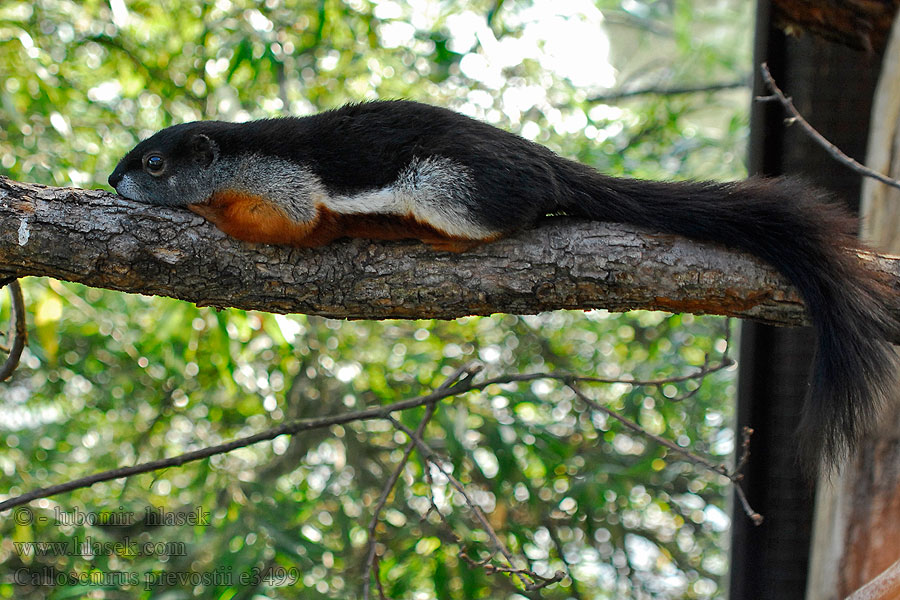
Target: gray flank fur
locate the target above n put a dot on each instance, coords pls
(294, 188)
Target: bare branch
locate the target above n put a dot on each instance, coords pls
(371, 557)
(463, 385)
(519, 572)
(719, 468)
(701, 88)
(833, 150)
(487, 563)
(560, 551)
(469, 370)
(376, 567)
(291, 428)
(694, 458)
(18, 331)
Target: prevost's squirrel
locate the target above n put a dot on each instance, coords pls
(399, 169)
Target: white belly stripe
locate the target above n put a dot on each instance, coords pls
(435, 190)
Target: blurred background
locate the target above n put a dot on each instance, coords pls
(655, 89)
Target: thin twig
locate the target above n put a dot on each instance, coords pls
(520, 573)
(746, 433)
(294, 427)
(694, 458)
(701, 373)
(745, 504)
(382, 501)
(671, 91)
(718, 468)
(724, 362)
(376, 566)
(377, 412)
(429, 454)
(489, 567)
(18, 330)
(832, 150)
(469, 370)
(737, 476)
(554, 536)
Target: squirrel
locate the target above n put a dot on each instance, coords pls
(400, 169)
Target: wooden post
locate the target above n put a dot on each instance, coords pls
(856, 537)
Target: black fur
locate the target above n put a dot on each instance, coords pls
(808, 238)
(788, 224)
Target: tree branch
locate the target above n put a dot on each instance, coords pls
(18, 334)
(102, 240)
(468, 370)
(831, 149)
(522, 574)
(700, 88)
(456, 388)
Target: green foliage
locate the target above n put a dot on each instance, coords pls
(111, 380)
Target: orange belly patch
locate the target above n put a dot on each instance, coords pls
(255, 219)
(251, 218)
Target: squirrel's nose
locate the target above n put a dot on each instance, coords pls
(114, 179)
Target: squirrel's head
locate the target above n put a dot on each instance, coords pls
(173, 167)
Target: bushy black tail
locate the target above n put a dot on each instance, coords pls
(810, 240)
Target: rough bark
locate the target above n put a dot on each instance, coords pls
(101, 240)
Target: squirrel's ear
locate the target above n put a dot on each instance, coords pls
(203, 149)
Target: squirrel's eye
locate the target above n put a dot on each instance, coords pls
(155, 164)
